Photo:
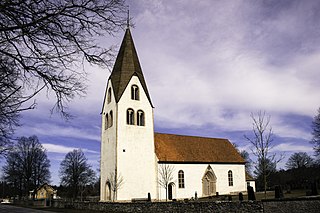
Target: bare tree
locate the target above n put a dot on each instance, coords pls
(264, 167)
(44, 45)
(116, 181)
(246, 156)
(27, 165)
(75, 172)
(298, 160)
(165, 176)
(9, 106)
(262, 143)
(316, 133)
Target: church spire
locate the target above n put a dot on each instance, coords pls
(128, 19)
(127, 65)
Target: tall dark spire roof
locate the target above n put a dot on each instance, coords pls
(127, 65)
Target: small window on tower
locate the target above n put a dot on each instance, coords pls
(130, 116)
(109, 95)
(135, 92)
(111, 119)
(106, 121)
(140, 118)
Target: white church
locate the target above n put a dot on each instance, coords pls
(132, 154)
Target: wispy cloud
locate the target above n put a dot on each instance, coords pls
(62, 130)
(290, 147)
(64, 149)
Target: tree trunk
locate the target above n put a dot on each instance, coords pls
(265, 185)
(166, 192)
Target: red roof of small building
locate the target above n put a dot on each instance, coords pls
(191, 149)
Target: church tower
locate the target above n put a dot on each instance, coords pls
(128, 161)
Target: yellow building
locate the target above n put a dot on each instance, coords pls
(45, 191)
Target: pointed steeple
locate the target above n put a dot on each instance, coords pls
(127, 65)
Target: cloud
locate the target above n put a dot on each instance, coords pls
(64, 149)
(290, 147)
(240, 60)
(209, 64)
(68, 130)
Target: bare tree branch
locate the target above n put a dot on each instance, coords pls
(165, 176)
(44, 43)
(261, 142)
(116, 181)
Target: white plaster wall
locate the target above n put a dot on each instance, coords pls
(193, 174)
(108, 143)
(135, 155)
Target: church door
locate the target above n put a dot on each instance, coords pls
(209, 184)
(170, 189)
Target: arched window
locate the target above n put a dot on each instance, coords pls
(109, 95)
(134, 92)
(230, 178)
(140, 118)
(181, 179)
(106, 121)
(110, 119)
(108, 191)
(130, 116)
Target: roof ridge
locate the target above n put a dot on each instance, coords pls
(195, 136)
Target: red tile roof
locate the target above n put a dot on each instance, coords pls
(192, 149)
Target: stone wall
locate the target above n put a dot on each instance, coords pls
(271, 206)
(292, 206)
(167, 207)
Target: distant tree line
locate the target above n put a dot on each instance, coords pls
(301, 171)
(27, 167)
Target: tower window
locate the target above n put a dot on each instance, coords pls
(130, 116)
(106, 121)
(140, 118)
(181, 179)
(134, 92)
(109, 95)
(111, 119)
(230, 178)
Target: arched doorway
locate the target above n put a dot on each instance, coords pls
(209, 183)
(108, 191)
(170, 190)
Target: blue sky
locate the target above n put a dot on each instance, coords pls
(208, 65)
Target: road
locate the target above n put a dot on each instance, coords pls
(16, 209)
